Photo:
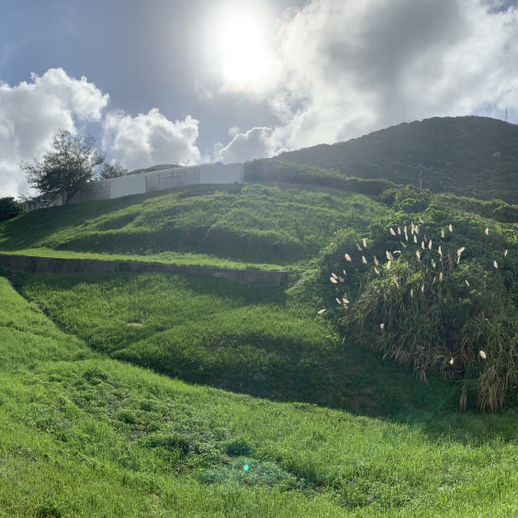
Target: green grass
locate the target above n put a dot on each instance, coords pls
(257, 224)
(86, 436)
(92, 422)
(259, 341)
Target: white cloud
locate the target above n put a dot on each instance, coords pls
(150, 138)
(350, 66)
(30, 114)
(257, 142)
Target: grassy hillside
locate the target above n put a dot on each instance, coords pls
(463, 155)
(86, 436)
(263, 342)
(94, 367)
(253, 224)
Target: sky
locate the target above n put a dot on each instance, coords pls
(190, 81)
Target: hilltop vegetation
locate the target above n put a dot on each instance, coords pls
(462, 155)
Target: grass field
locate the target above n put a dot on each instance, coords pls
(257, 224)
(168, 395)
(259, 341)
(82, 435)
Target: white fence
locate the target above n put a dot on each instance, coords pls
(161, 180)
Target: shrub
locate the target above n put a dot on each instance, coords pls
(9, 209)
(436, 307)
(407, 198)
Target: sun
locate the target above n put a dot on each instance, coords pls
(246, 63)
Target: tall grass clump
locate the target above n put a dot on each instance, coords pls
(426, 302)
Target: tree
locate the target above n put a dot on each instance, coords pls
(64, 169)
(113, 170)
(9, 208)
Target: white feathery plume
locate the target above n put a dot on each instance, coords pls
(364, 242)
(382, 326)
(439, 250)
(506, 252)
(348, 258)
(495, 264)
(376, 262)
(360, 249)
(443, 235)
(486, 231)
(334, 275)
(467, 283)
(450, 227)
(452, 361)
(364, 259)
(434, 264)
(399, 231)
(415, 239)
(441, 277)
(430, 245)
(482, 354)
(403, 244)
(333, 280)
(418, 255)
(392, 231)
(322, 311)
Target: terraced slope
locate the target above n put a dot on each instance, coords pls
(258, 224)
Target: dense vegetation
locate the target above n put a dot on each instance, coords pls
(438, 295)
(468, 156)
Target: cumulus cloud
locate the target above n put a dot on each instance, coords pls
(31, 112)
(150, 138)
(257, 142)
(350, 67)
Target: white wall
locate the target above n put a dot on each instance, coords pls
(219, 173)
(128, 185)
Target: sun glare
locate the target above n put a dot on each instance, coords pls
(245, 60)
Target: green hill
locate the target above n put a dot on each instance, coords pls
(462, 155)
(164, 394)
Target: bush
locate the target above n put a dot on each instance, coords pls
(9, 209)
(437, 308)
(407, 198)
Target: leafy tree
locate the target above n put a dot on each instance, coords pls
(114, 170)
(9, 208)
(65, 168)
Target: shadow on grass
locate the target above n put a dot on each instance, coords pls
(235, 355)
